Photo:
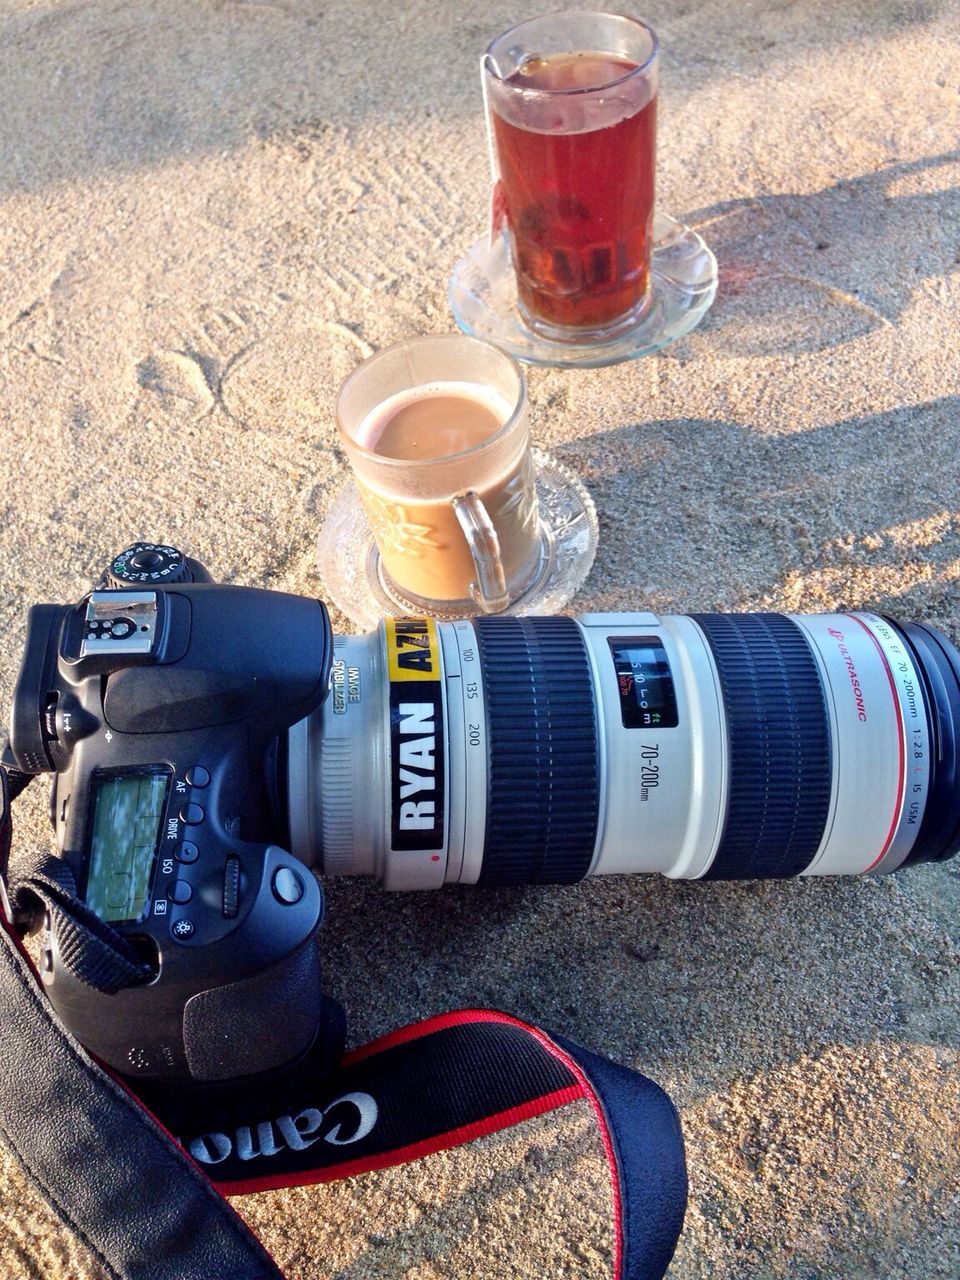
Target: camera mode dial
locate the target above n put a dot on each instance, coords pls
(148, 562)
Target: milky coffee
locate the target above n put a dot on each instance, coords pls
(422, 546)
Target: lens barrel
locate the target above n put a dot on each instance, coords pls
(839, 747)
(539, 750)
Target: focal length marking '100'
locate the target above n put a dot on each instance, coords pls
(703, 746)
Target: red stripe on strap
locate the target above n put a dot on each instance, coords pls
(414, 1151)
(582, 1089)
(439, 1022)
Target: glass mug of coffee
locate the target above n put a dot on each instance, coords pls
(436, 432)
(571, 118)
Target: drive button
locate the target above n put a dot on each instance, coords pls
(287, 886)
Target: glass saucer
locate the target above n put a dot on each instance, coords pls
(683, 283)
(349, 562)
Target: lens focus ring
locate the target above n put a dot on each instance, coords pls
(543, 797)
(779, 745)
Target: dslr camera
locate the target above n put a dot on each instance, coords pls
(214, 746)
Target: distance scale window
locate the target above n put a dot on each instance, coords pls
(648, 699)
(127, 809)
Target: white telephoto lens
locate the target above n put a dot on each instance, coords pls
(502, 750)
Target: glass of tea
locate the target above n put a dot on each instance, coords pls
(571, 103)
(437, 434)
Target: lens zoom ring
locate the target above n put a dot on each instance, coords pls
(779, 745)
(543, 768)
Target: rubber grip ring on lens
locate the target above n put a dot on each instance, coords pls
(779, 746)
(543, 791)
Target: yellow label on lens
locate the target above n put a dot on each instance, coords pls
(413, 649)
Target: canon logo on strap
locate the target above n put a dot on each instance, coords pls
(353, 1114)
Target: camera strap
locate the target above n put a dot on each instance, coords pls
(142, 1182)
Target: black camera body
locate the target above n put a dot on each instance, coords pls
(159, 708)
(188, 728)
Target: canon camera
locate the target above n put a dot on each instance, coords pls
(213, 746)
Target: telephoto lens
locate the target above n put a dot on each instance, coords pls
(506, 751)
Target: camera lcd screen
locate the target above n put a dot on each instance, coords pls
(648, 699)
(127, 810)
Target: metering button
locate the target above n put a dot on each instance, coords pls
(287, 886)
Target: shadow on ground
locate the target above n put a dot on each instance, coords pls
(801, 273)
(112, 86)
(862, 512)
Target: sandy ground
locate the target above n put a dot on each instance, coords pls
(210, 211)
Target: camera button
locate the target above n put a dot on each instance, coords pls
(287, 886)
(182, 929)
(188, 852)
(191, 814)
(179, 891)
(198, 776)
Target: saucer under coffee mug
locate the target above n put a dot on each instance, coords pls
(683, 284)
(349, 562)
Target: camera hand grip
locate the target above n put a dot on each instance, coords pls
(258, 1023)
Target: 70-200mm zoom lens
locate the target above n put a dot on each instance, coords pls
(541, 750)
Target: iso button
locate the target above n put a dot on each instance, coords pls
(287, 886)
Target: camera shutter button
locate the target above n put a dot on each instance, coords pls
(287, 886)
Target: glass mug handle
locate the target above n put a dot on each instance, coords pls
(490, 589)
